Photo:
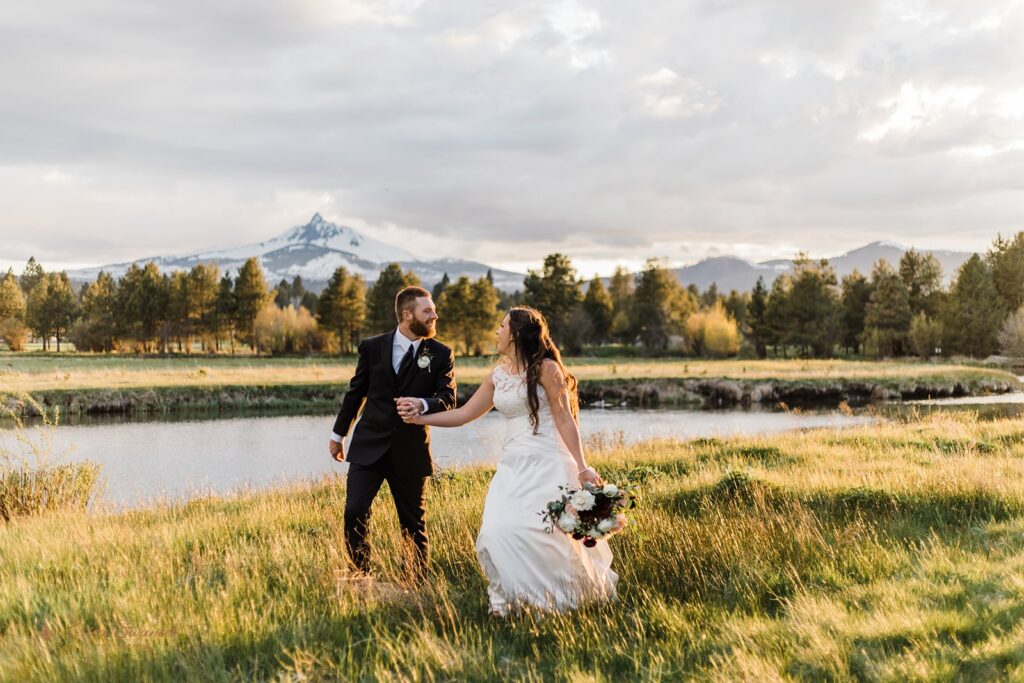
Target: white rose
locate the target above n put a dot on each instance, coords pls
(567, 523)
(423, 361)
(610, 490)
(582, 500)
(606, 525)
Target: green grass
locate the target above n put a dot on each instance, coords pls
(891, 552)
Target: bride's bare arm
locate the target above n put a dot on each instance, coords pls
(478, 404)
(553, 381)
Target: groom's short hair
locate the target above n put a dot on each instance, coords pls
(406, 300)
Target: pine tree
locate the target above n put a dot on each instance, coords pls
(554, 291)
(974, 313)
(440, 287)
(12, 300)
(660, 306)
(226, 311)
(99, 309)
(814, 309)
(856, 291)
(757, 318)
(777, 315)
(63, 304)
(380, 299)
(31, 275)
(203, 287)
(342, 308)
(620, 289)
(141, 304)
(888, 315)
(1007, 263)
(282, 294)
(251, 296)
(599, 309)
(922, 274)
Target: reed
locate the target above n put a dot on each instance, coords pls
(32, 480)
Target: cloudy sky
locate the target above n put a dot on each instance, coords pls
(503, 131)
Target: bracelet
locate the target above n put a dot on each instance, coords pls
(588, 467)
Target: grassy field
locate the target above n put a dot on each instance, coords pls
(893, 552)
(27, 372)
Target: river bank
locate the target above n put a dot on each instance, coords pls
(690, 392)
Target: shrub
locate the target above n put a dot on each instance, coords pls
(288, 330)
(14, 333)
(713, 332)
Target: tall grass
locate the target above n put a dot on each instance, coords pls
(32, 481)
(892, 552)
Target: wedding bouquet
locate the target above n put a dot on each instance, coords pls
(590, 512)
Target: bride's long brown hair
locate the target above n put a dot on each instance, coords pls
(533, 345)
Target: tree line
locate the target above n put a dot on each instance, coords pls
(896, 310)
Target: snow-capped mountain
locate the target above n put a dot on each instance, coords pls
(313, 252)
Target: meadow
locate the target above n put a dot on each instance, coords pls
(43, 372)
(890, 552)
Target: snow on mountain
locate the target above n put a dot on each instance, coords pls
(313, 252)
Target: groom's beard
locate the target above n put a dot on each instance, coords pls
(422, 330)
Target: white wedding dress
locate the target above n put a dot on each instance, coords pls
(524, 564)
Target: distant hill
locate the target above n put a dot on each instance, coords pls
(314, 251)
(730, 272)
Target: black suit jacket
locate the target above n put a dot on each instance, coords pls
(380, 429)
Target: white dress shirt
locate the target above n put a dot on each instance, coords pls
(398, 350)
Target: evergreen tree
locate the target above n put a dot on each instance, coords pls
(620, 289)
(177, 324)
(598, 307)
(380, 298)
(660, 306)
(282, 294)
(814, 309)
(99, 310)
(468, 311)
(297, 290)
(736, 307)
(203, 287)
(342, 308)
(710, 296)
(777, 315)
(226, 311)
(141, 304)
(52, 307)
(310, 301)
(31, 275)
(888, 315)
(1007, 263)
(251, 296)
(554, 291)
(974, 313)
(440, 287)
(12, 300)
(856, 293)
(757, 318)
(922, 274)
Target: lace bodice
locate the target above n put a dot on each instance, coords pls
(510, 395)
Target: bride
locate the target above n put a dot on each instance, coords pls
(524, 564)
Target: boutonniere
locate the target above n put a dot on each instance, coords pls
(424, 358)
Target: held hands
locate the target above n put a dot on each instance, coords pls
(409, 409)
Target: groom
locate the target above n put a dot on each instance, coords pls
(402, 363)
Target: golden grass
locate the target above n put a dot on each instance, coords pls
(891, 552)
(114, 373)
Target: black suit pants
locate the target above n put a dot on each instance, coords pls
(409, 493)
